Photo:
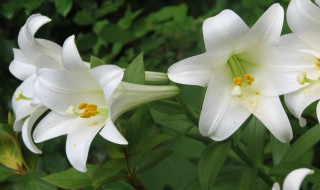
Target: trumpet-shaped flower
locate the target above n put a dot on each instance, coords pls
(303, 18)
(244, 73)
(294, 179)
(23, 67)
(85, 102)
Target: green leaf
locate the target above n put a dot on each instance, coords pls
(303, 144)
(210, 163)
(83, 18)
(112, 33)
(248, 179)
(279, 149)
(148, 143)
(32, 181)
(63, 6)
(5, 173)
(152, 158)
(10, 154)
(108, 7)
(108, 172)
(5, 131)
(135, 73)
(72, 178)
(95, 62)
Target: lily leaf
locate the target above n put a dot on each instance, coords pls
(135, 73)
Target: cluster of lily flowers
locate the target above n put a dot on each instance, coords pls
(244, 70)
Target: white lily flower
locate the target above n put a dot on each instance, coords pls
(86, 101)
(303, 18)
(294, 179)
(23, 67)
(244, 73)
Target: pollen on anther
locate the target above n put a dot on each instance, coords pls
(82, 106)
(249, 78)
(237, 81)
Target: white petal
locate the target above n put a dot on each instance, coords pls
(23, 108)
(290, 41)
(195, 70)
(58, 89)
(21, 67)
(27, 128)
(271, 113)
(79, 140)
(299, 100)
(268, 28)
(109, 77)
(276, 186)
(277, 67)
(295, 178)
(71, 58)
(222, 114)
(304, 20)
(51, 126)
(111, 133)
(224, 32)
(45, 61)
(318, 111)
(128, 96)
(26, 34)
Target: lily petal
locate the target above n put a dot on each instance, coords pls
(224, 32)
(128, 96)
(303, 18)
(111, 133)
(51, 126)
(27, 128)
(278, 67)
(79, 140)
(195, 70)
(109, 77)
(299, 100)
(276, 121)
(318, 112)
(20, 67)
(221, 114)
(59, 89)
(276, 186)
(292, 42)
(268, 28)
(71, 58)
(295, 178)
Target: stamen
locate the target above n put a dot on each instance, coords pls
(82, 106)
(237, 81)
(19, 96)
(249, 79)
(70, 111)
(302, 78)
(89, 110)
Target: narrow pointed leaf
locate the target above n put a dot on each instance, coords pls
(95, 62)
(211, 161)
(135, 73)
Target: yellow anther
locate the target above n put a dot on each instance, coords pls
(82, 106)
(318, 64)
(91, 106)
(249, 79)
(257, 93)
(237, 81)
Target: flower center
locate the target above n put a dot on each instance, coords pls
(87, 110)
(19, 96)
(240, 78)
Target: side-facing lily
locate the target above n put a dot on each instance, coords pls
(303, 18)
(244, 73)
(24, 103)
(86, 101)
(294, 179)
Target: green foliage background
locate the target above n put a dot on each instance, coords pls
(165, 149)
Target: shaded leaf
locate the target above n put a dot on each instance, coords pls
(95, 62)
(32, 181)
(63, 6)
(148, 143)
(83, 18)
(10, 154)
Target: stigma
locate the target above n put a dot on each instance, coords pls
(18, 95)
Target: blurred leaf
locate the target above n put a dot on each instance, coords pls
(5, 131)
(63, 6)
(248, 179)
(135, 71)
(10, 154)
(5, 173)
(211, 161)
(279, 149)
(72, 178)
(112, 33)
(108, 7)
(83, 18)
(10, 7)
(107, 172)
(178, 13)
(148, 143)
(85, 42)
(95, 62)
(32, 181)
(152, 158)
(129, 16)
(31, 5)
(303, 144)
